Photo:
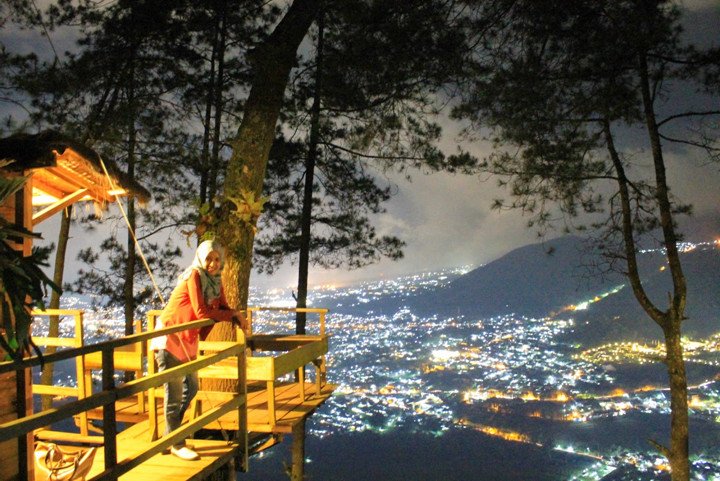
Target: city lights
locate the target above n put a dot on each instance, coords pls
(397, 369)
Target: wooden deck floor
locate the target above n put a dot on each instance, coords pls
(290, 409)
(166, 467)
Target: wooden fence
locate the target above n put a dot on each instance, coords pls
(111, 393)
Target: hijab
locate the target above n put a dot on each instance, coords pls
(210, 285)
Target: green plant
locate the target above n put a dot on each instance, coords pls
(245, 209)
(22, 283)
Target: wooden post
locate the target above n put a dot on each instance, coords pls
(152, 409)
(24, 439)
(84, 382)
(109, 422)
(271, 403)
(242, 459)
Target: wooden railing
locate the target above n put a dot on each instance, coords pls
(110, 393)
(293, 353)
(76, 340)
(321, 312)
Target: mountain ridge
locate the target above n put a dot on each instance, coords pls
(543, 279)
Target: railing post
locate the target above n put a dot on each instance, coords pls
(84, 389)
(23, 438)
(109, 421)
(242, 459)
(152, 408)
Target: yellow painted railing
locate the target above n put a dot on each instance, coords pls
(76, 340)
(111, 393)
(296, 352)
(321, 312)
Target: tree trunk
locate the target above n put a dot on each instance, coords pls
(679, 435)
(129, 286)
(54, 330)
(310, 161)
(251, 146)
(205, 154)
(679, 427)
(297, 472)
(218, 98)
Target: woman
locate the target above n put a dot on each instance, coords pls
(198, 295)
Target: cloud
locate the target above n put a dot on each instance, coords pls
(698, 5)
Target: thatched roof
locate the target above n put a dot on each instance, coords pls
(66, 170)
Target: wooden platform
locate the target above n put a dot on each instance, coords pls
(271, 400)
(289, 408)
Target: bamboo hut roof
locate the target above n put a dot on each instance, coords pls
(65, 171)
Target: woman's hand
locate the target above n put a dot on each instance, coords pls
(240, 319)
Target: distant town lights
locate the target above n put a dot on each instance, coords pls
(444, 354)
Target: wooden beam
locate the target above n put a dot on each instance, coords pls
(62, 436)
(53, 209)
(40, 183)
(96, 191)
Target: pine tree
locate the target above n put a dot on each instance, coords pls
(560, 83)
(361, 106)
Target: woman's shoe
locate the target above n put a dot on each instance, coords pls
(185, 453)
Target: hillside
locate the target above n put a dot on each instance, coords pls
(544, 278)
(620, 316)
(532, 280)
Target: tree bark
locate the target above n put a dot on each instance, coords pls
(205, 154)
(129, 285)
(251, 146)
(672, 322)
(679, 420)
(297, 472)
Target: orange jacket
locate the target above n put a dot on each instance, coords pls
(187, 304)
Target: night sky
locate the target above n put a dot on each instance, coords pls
(446, 219)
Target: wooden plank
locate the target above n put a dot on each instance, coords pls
(55, 390)
(275, 342)
(302, 350)
(32, 422)
(260, 368)
(9, 366)
(213, 455)
(215, 345)
(57, 312)
(65, 437)
(287, 416)
(136, 450)
(300, 356)
(53, 209)
(42, 186)
(125, 360)
(55, 341)
(127, 410)
(225, 369)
